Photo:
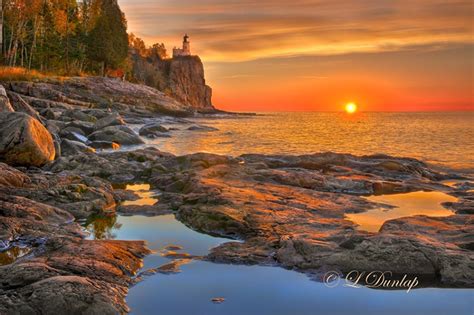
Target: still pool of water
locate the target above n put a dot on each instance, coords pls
(409, 204)
(146, 197)
(256, 289)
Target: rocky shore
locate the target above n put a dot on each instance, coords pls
(60, 162)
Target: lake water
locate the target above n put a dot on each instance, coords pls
(443, 137)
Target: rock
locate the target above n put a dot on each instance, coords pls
(202, 128)
(104, 145)
(5, 105)
(152, 129)
(11, 177)
(72, 275)
(174, 247)
(73, 133)
(49, 114)
(55, 126)
(19, 105)
(119, 134)
(183, 77)
(97, 113)
(24, 140)
(110, 120)
(70, 147)
(173, 266)
(291, 210)
(74, 114)
(14, 206)
(86, 127)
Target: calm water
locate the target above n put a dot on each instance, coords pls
(256, 290)
(444, 138)
(414, 203)
(252, 289)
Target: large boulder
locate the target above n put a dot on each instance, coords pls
(24, 140)
(119, 134)
(5, 105)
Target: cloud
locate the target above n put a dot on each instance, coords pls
(244, 30)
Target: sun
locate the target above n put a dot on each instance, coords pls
(351, 108)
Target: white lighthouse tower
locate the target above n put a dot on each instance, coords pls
(185, 51)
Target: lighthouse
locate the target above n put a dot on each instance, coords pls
(185, 51)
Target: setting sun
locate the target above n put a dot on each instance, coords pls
(351, 108)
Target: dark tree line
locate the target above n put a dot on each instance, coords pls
(64, 36)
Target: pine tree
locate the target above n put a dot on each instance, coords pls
(108, 40)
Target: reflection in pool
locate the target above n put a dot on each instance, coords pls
(146, 197)
(409, 204)
(101, 226)
(255, 289)
(10, 255)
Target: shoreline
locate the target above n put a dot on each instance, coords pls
(289, 210)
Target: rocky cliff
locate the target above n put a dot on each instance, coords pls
(180, 77)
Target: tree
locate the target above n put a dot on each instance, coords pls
(108, 40)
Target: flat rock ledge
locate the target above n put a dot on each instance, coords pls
(290, 210)
(62, 271)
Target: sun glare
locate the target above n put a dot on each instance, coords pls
(351, 108)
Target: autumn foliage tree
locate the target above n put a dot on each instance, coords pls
(64, 36)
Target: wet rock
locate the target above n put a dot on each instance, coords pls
(134, 120)
(72, 133)
(202, 128)
(125, 194)
(384, 188)
(152, 129)
(173, 247)
(74, 114)
(218, 300)
(119, 134)
(24, 140)
(104, 145)
(70, 147)
(290, 210)
(174, 255)
(173, 266)
(85, 127)
(97, 113)
(76, 277)
(111, 120)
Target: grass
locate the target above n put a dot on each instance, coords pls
(23, 74)
(19, 74)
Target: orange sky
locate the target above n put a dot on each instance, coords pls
(317, 55)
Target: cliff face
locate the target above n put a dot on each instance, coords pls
(180, 77)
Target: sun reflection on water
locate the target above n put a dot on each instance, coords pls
(409, 204)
